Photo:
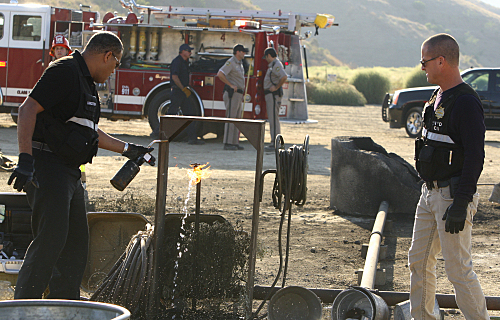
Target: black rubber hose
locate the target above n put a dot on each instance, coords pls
(107, 279)
(126, 283)
(115, 292)
(129, 274)
(290, 187)
(280, 250)
(144, 246)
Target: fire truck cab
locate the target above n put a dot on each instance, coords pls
(151, 37)
(26, 32)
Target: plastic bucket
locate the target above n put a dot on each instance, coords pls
(359, 303)
(294, 303)
(46, 309)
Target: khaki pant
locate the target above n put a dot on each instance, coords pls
(429, 239)
(273, 114)
(233, 110)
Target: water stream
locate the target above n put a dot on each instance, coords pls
(182, 235)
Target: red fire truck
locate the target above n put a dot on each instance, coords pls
(26, 32)
(151, 37)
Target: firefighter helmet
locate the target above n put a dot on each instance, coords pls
(61, 41)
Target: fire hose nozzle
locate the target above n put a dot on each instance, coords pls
(149, 159)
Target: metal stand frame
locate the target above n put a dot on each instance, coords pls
(170, 127)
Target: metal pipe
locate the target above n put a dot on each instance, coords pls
(198, 204)
(370, 269)
(390, 297)
(252, 252)
(196, 232)
(159, 229)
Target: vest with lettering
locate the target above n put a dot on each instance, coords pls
(75, 141)
(441, 158)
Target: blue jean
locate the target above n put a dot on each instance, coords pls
(428, 240)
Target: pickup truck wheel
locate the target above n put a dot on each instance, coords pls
(158, 107)
(14, 117)
(414, 122)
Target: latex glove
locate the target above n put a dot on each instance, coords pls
(455, 215)
(23, 173)
(134, 151)
(186, 91)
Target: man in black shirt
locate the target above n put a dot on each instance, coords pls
(180, 93)
(58, 131)
(450, 159)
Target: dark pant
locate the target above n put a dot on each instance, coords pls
(58, 254)
(178, 100)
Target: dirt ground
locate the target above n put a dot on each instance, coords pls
(325, 245)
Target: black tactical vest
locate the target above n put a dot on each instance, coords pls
(439, 157)
(76, 139)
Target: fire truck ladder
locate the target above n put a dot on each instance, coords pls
(292, 20)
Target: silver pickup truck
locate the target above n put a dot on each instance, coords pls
(404, 107)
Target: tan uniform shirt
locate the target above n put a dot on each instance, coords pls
(274, 73)
(234, 72)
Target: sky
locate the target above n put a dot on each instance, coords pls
(495, 3)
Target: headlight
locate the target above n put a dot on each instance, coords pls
(257, 109)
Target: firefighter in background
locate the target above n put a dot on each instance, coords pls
(273, 91)
(232, 74)
(180, 93)
(57, 132)
(60, 47)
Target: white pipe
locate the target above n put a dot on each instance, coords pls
(370, 269)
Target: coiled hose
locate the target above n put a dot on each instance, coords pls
(290, 187)
(127, 283)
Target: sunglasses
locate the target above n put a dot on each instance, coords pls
(423, 62)
(118, 63)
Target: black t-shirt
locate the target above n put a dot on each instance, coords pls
(180, 67)
(58, 90)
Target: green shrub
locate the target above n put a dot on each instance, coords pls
(372, 85)
(334, 93)
(416, 78)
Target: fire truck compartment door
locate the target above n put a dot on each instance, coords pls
(28, 34)
(4, 47)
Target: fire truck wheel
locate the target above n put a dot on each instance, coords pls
(158, 107)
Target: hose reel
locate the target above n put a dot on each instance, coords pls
(290, 187)
(291, 174)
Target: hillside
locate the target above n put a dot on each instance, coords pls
(384, 33)
(103, 6)
(389, 32)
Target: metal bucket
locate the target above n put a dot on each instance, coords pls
(359, 303)
(61, 310)
(495, 194)
(294, 303)
(402, 311)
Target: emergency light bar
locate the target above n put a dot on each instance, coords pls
(246, 24)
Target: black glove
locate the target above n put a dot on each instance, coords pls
(134, 151)
(455, 216)
(23, 173)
